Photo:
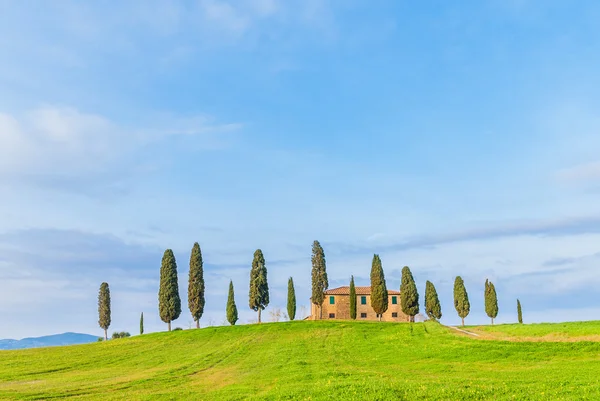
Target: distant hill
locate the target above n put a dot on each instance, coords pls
(48, 341)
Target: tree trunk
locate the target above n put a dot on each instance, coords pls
(463, 321)
(169, 325)
(321, 312)
(492, 321)
(380, 317)
(259, 314)
(198, 323)
(105, 335)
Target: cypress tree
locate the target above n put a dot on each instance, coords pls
(319, 276)
(104, 308)
(232, 312)
(196, 285)
(379, 293)
(432, 302)
(169, 303)
(461, 299)
(519, 311)
(259, 288)
(491, 300)
(409, 296)
(352, 299)
(291, 301)
(142, 324)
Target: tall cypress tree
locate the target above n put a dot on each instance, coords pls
(232, 312)
(409, 297)
(319, 276)
(259, 288)
(352, 299)
(291, 301)
(142, 324)
(379, 293)
(432, 302)
(196, 285)
(461, 299)
(169, 303)
(104, 308)
(491, 300)
(519, 311)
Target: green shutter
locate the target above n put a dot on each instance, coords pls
(331, 300)
(363, 300)
(394, 300)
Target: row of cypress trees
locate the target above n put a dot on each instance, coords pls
(409, 296)
(170, 303)
(463, 307)
(258, 297)
(379, 294)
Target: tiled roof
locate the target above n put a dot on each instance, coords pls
(359, 291)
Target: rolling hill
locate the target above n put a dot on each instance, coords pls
(308, 361)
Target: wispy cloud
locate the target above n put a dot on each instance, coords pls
(550, 227)
(582, 173)
(65, 141)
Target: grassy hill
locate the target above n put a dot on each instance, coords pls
(571, 331)
(309, 361)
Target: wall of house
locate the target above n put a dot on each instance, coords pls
(341, 309)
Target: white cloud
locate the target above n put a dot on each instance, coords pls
(265, 7)
(224, 15)
(52, 138)
(119, 25)
(63, 140)
(580, 173)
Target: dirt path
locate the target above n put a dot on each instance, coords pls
(463, 331)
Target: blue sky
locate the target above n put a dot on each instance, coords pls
(457, 139)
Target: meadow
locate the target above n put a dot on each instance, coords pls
(309, 360)
(569, 331)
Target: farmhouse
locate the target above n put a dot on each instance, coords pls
(337, 306)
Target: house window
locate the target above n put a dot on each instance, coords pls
(363, 315)
(331, 300)
(332, 315)
(394, 300)
(394, 314)
(363, 300)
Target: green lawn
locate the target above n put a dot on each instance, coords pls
(548, 331)
(307, 361)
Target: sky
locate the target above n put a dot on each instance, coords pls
(456, 138)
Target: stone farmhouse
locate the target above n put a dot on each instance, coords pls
(337, 306)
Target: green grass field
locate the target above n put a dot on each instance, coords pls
(571, 331)
(311, 361)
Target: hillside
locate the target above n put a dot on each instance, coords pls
(48, 341)
(553, 332)
(306, 360)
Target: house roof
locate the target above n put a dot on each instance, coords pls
(359, 291)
